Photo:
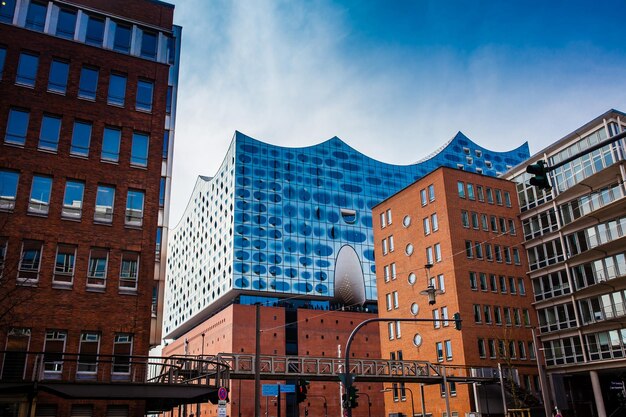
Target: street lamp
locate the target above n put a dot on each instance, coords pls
(410, 392)
(369, 404)
(430, 291)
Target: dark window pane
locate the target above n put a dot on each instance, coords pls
(57, 81)
(7, 9)
(162, 192)
(36, 16)
(111, 144)
(148, 45)
(144, 95)
(168, 102)
(81, 137)
(171, 51)
(166, 143)
(49, 134)
(121, 42)
(66, 24)
(8, 189)
(17, 126)
(27, 69)
(117, 89)
(95, 31)
(88, 83)
(139, 151)
(3, 56)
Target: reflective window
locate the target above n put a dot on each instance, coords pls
(111, 144)
(149, 45)
(73, 199)
(88, 84)
(162, 192)
(7, 10)
(64, 265)
(66, 24)
(95, 31)
(117, 89)
(168, 100)
(81, 136)
(54, 348)
(17, 126)
(134, 208)
(27, 69)
(88, 356)
(57, 81)
(36, 16)
(121, 41)
(144, 95)
(129, 273)
(159, 237)
(8, 189)
(105, 197)
(97, 272)
(39, 202)
(166, 143)
(50, 131)
(139, 150)
(30, 261)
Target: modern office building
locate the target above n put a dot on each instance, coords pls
(87, 105)
(291, 229)
(575, 235)
(459, 233)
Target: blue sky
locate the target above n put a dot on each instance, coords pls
(395, 79)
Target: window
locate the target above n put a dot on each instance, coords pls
(64, 265)
(117, 89)
(383, 221)
(406, 221)
(393, 271)
(66, 24)
(517, 317)
(482, 351)
(166, 143)
(159, 234)
(7, 10)
(470, 191)
(53, 353)
(473, 281)
(444, 316)
(489, 195)
(385, 248)
(111, 144)
(521, 286)
(389, 218)
(429, 255)
(73, 200)
(461, 187)
(396, 302)
(57, 80)
(105, 198)
(391, 245)
(17, 127)
(423, 197)
(507, 199)
(50, 131)
(435, 222)
(507, 316)
(95, 31)
(168, 100)
(162, 192)
(88, 352)
(487, 314)
(36, 16)
(27, 69)
(494, 223)
(448, 345)
(139, 150)
(129, 273)
(398, 330)
(507, 254)
(388, 300)
(469, 249)
(391, 330)
(122, 349)
(498, 252)
(97, 272)
(512, 227)
(497, 314)
(431, 192)
(30, 262)
(8, 189)
(498, 197)
(441, 284)
(488, 252)
(88, 84)
(426, 225)
(512, 287)
(386, 272)
(436, 322)
(493, 283)
(148, 45)
(3, 57)
(439, 349)
(521, 347)
(477, 318)
(475, 224)
(502, 225)
(121, 42)
(492, 348)
(479, 250)
(483, 281)
(516, 257)
(144, 95)
(39, 202)
(134, 208)
(81, 137)
(480, 193)
(464, 219)
(485, 222)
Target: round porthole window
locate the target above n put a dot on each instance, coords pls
(415, 309)
(412, 278)
(417, 340)
(409, 249)
(406, 221)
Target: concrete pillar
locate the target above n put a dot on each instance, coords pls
(597, 393)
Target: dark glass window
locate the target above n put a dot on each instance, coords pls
(8, 189)
(149, 45)
(81, 136)
(168, 102)
(17, 126)
(57, 81)
(88, 84)
(66, 24)
(162, 192)
(121, 42)
(144, 95)
(27, 69)
(36, 16)
(95, 31)
(7, 9)
(166, 143)
(3, 56)
(40, 195)
(117, 89)
(50, 131)
(171, 51)
(111, 144)
(134, 208)
(139, 151)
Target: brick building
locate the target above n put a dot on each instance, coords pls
(459, 232)
(87, 105)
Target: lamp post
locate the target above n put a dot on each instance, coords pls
(369, 404)
(410, 392)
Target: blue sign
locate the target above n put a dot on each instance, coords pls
(287, 388)
(269, 390)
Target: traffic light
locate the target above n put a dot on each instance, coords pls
(540, 172)
(344, 401)
(457, 321)
(353, 396)
(301, 390)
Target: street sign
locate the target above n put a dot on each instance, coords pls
(222, 393)
(221, 402)
(221, 411)
(269, 390)
(287, 388)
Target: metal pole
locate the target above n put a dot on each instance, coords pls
(423, 400)
(257, 365)
(502, 388)
(445, 384)
(369, 404)
(278, 403)
(412, 403)
(542, 375)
